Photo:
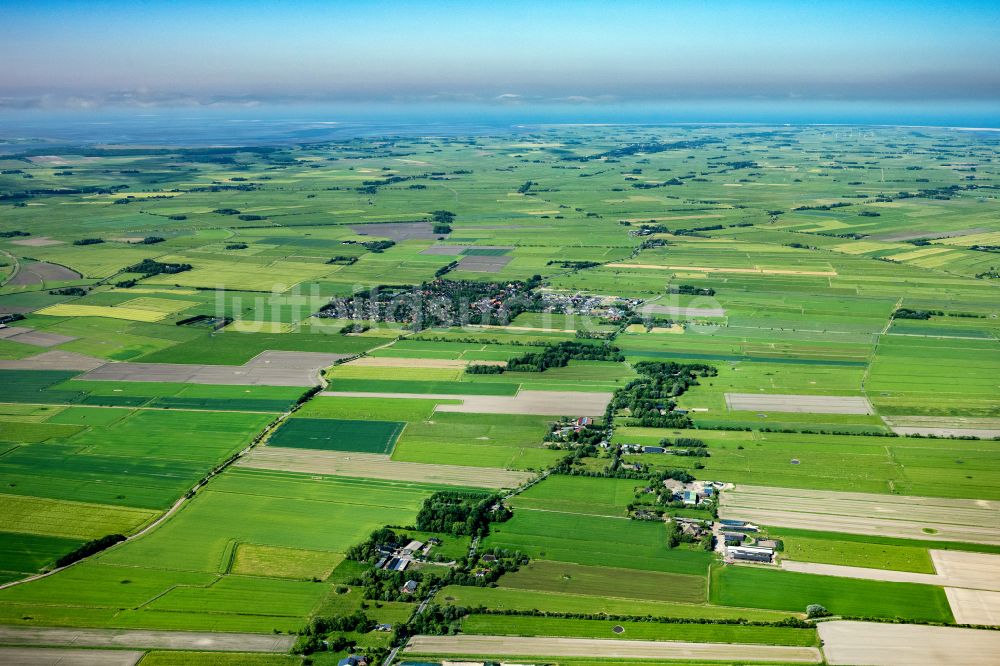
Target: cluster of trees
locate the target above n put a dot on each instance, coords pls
(88, 241)
(89, 548)
(690, 290)
(447, 268)
(368, 550)
(354, 329)
(237, 246)
(226, 211)
(150, 267)
(589, 434)
(483, 369)
(461, 513)
(316, 636)
(442, 220)
(907, 313)
(443, 217)
(152, 240)
(686, 442)
(69, 291)
(676, 537)
(650, 398)
(378, 246)
(558, 356)
(436, 620)
(575, 265)
(838, 204)
(487, 568)
(342, 259)
(387, 585)
(13, 234)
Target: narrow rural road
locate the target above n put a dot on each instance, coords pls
(13, 273)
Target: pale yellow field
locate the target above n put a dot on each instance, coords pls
(257, 560)
(917, 254)
(75, 520)
(145, 290)
(711, 269)
(132, 314)
(368, 371)
(164, 305)
(246, 326)
(988, 238)
(400, 362)
(376, 466)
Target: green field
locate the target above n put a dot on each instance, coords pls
(645, 631)
(596, 541)
(784, 590)
(338, 435)
(512, 598)
(188, 573)
(858, 554)
(563, 577)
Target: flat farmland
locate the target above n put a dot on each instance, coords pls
(857, 553)
(648, 631)
(35, 656)
(513, 598)
(511, 646)
(847, 642)
(594, 541)
(569, 578)
(72, 520)
(785, 258)
(375, 466)
(477, 440)
(737, 585)
(145, 460)
(184, 575)
(578, 494)
(908, 517)
(338, 435)
(23, 554)
(811, 461)
(797, 403)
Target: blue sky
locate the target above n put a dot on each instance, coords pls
(182, 53)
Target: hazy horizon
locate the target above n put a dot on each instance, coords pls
(878, 62)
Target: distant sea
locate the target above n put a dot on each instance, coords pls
(284, 124)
